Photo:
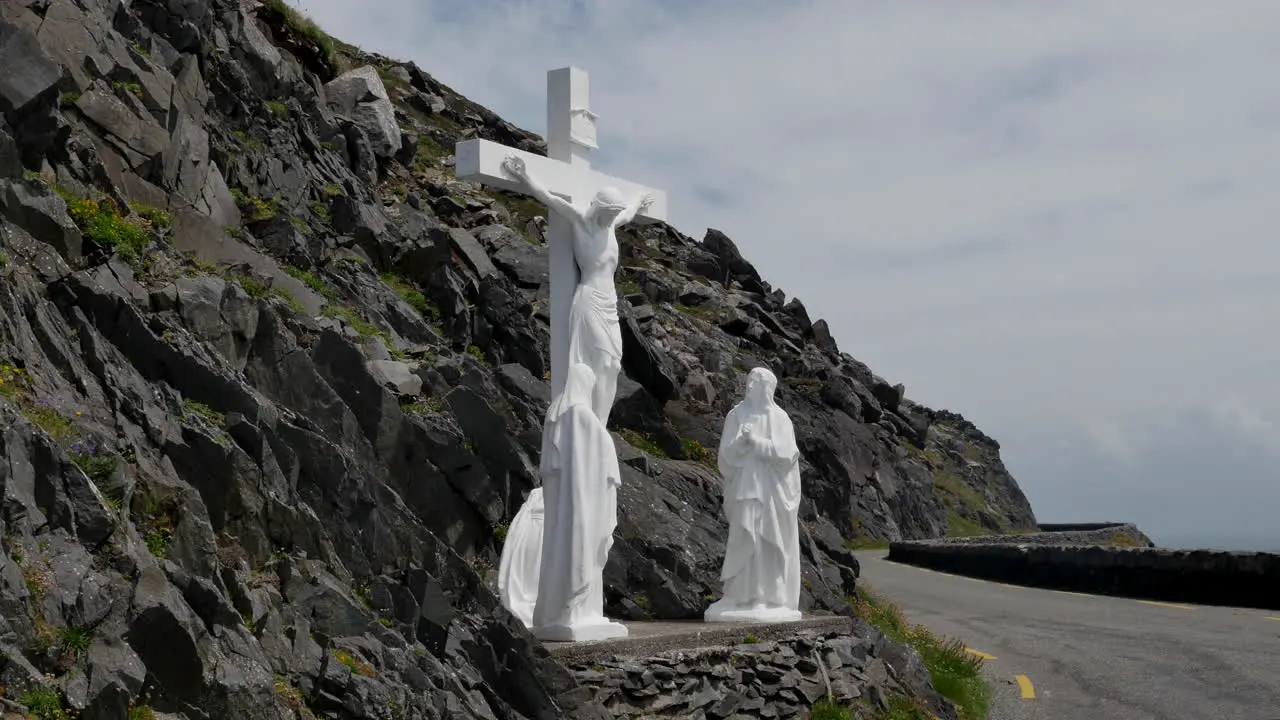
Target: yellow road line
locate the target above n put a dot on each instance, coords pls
(1271, 618)
(1164, 604)
(1072, 592)
(980, 654)
(1024, 684)
(1015, 587)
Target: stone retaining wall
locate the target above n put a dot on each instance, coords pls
(1104, 534)
(1239, 579)
(770, 679)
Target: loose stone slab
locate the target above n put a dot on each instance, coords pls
(649, 638)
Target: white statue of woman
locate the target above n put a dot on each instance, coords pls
(580, 479)
(521, 559)
(595, 337)
(761, 464)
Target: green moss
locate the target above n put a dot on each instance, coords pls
(44, 703)
(321, 211)
(751, 640)
(158, 217)
(4, 260)
(355, 665)
(278, 108)
(421, 407)
(828, 709)
(305, 29)
(360, 325)
(255, 289)
(141, 712)
(49, 419)
(68, 98)
(429, 154)
(311, 280)
(191, 407)
(97, 466)
(956, 674)
(154, 523)
(696, 452)
(390, 81)
(863, 540)
(132, 88)
(255, 209)
(250, 143)
(104, 226)
(1121, 539)
(960, 526)
(961, 502)
(15, 386)
(413, 296)
(641, 442)
(707, 313)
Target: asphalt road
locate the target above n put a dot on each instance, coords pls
(1067, 656)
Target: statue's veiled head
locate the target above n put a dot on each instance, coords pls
(606, 205)
(578, 384)
(761, 384)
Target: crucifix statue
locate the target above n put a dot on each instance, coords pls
(586, 207)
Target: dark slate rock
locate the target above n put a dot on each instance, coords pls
(525, 263)
(29, 74)
(642, 361)
(33, 207)
(10, 156)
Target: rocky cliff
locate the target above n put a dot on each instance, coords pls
(271, 381)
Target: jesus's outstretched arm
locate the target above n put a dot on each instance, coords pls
(632, 209)
(516, 168)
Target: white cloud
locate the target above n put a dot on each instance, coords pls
(1038, 214)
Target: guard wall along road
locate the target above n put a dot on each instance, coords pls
(1208, 577)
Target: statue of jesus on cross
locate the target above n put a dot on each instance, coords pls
(580, 468)
(595, 337)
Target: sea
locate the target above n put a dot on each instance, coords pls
(1247, 543)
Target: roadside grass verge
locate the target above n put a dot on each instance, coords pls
(956, 674)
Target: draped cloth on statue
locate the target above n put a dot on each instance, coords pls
(760, 461)
(594, 327)
(521, 559)
(580, 479)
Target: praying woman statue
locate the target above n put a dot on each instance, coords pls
(761, 466)
(595, 337)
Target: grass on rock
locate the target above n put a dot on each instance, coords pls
(956, 674)
(103, 225)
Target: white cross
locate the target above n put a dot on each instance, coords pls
(566, 172)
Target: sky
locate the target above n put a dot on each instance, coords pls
(1057, 219)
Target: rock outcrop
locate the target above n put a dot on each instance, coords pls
(272, 379)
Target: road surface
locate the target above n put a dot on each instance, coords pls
(1053, 655)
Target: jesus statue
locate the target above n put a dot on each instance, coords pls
(595, 337)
